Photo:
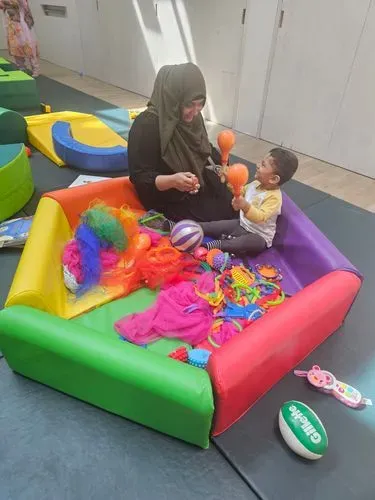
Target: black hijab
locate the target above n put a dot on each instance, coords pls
(184, 146)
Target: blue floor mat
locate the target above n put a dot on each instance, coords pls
(346, 471)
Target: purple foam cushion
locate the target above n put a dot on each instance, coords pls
(301, 251)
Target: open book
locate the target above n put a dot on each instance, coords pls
(14, 232)
(87, 179)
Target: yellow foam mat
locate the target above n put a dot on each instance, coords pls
(39, 281)
(86, 128)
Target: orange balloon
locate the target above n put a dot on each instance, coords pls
(226, 140)
(141, 241)
(164, 242)
(237, 177)
(139, 245)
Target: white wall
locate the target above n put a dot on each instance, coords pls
(139, 36)
(198, 31)
(261, 17)
(59, 38)
(3, 44)
(351, 143)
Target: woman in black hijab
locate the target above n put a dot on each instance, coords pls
(168, 151)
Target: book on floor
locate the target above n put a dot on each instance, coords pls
(87, 179)
(14, 232)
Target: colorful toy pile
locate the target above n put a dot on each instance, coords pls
(205, 311)
(208, 310)
(241, 296)
(112, 248)
(206, 298)
(99, 240)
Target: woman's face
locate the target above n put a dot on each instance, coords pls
(191, 110)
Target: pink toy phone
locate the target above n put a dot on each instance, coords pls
(327, 382)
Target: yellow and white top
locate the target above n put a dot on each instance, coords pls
(265, 207)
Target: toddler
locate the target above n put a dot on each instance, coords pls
(259, 208)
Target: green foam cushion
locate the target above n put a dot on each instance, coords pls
(6, 65)
(13, 127)
(17, 90)
(8, 153)
(103, 318)
(15, 76)
(133, 382)
(16, 182)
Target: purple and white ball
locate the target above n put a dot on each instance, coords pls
(186, 236)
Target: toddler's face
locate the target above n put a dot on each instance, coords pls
(265, 172)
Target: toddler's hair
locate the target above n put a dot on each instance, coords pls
(286, 164)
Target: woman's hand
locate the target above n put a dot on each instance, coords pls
(240, 204)
(186, 182)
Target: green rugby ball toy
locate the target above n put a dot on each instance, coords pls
(302, 430)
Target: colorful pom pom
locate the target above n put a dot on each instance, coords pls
(72, 260)
(106, 226)
(89, 247)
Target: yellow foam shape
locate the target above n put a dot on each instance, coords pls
(38, 281)
(86, 128)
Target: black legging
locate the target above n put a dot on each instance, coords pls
(241, 241)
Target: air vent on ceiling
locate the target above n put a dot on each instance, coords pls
(54, 10)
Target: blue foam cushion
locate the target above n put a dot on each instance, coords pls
(79, 155)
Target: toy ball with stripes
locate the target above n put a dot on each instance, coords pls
(186, 236)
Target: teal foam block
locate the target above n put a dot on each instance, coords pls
(117, 119)
(13, 127)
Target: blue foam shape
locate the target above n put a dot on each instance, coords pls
(76, 154)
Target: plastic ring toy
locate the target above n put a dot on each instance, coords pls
(212, 342)
(268, 272)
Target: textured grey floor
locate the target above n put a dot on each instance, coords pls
(53, 447)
